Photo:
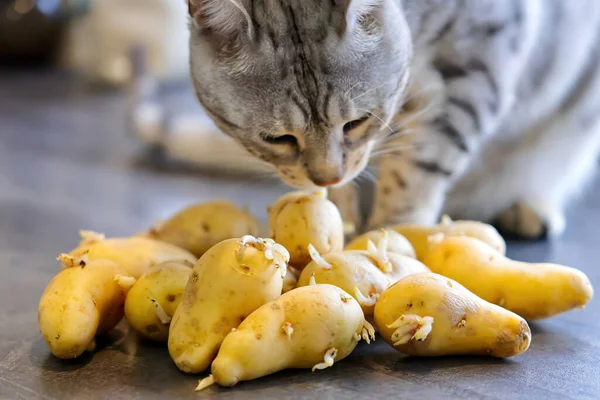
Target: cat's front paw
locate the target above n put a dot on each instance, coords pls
(532, 222)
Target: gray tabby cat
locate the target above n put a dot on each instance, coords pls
(483, 109)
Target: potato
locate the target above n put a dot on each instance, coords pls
(400, 266)
(396, 243)
(229, 282)
(365, 275)
(290, 280)
(134, 254)
(152, 301)
(199, 227)
(298, 219)
(80, 303)
(309, 327)
(533, 291)
(429, 315)
(419, 236)
(353, 271)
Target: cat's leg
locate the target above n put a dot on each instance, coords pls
(423, 164)
(557, 169)
(524, 185)
(347, 200)
(479, 75)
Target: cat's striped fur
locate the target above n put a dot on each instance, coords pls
(474, 107)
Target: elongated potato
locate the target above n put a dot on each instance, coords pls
(430, 315)
(533, 291)
(229, 282)
(298, 219)
(199, 227)
(419, 236)
(396, 243)
(363, 274)
(152, 301)
(80, 303)
(309, 327)
(134, 254)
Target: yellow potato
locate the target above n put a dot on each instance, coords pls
(299, 219)
(365, 275)
(134, 254)
(152, 301)
(353, 271)
(430, 315)
(80, 303)
(199, 227)
(533, 291)
(309, 327)
(290, 280)
(229, 282)
(396, 243)
(397, 266)
(420, 236)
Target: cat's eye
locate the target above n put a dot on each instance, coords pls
(289, 140)
(350, 126)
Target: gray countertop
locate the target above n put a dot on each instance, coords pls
(66, 164)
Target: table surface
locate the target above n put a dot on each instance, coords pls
(66, 163)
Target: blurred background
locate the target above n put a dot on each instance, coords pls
(99, 127)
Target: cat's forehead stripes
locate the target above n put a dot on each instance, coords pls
(308, 91)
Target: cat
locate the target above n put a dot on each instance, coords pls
(482, 109)
(97, 43)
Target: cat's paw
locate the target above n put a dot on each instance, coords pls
(532, 222)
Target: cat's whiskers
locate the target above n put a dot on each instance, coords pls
(400, 131)
(422, 90)
(370, 90)
(368, 175)
(386, 152)
(385, 124)
(354, 86)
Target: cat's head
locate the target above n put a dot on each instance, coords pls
(306, 85)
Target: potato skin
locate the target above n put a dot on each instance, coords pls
(290, 281)
(199, 227)
(299, 219)
(134, 254)
(396, 242)
(463, 324)
(163, 284)
(401, 266)
(533, 291)
(353, 269)
(419, 235)
(229, 282)
(78, 304)
(349, 270)
(321, 317)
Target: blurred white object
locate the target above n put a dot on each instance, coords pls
(189, 137)
(98, 44)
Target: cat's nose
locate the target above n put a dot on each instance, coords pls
(324, 182)
(324, 175)
(324, 161)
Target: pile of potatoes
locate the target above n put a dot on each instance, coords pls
(220, 297)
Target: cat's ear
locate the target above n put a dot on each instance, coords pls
(225, 17)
